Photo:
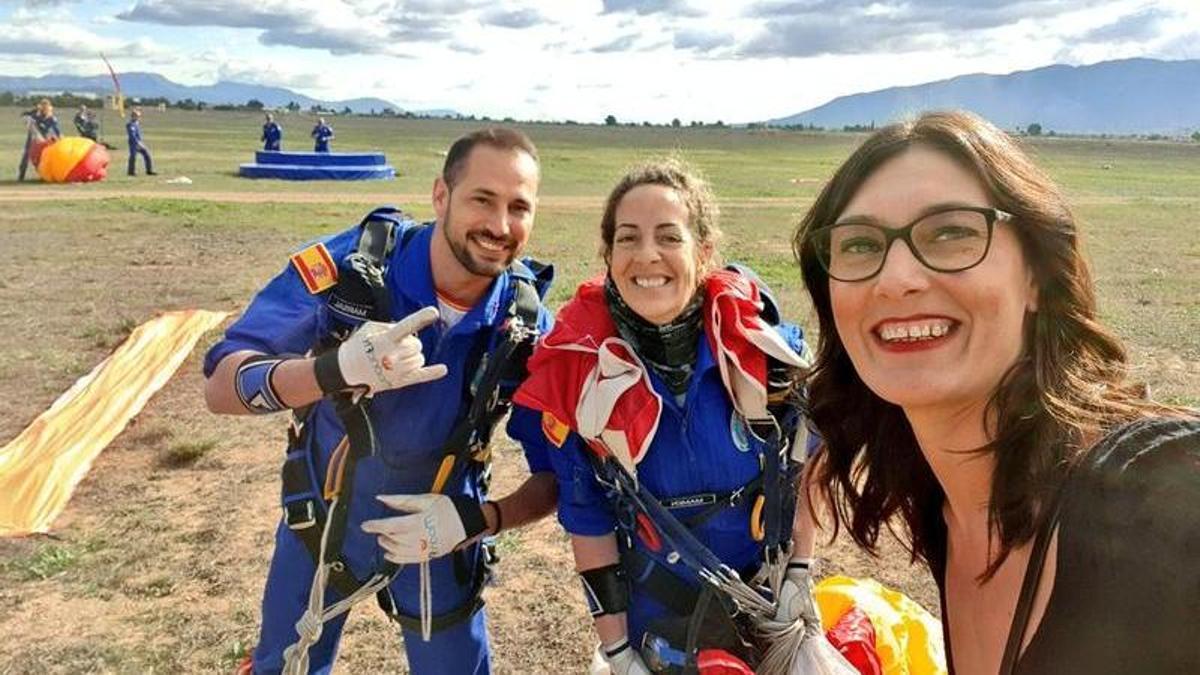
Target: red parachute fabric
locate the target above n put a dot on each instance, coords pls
(36, 147)
(854, 637)
(93, 166)
(721, 662)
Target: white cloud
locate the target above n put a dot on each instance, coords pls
(68, 41)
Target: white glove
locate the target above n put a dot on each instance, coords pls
(625, 662)
(436, 526)
(796, 596)
(383, 356)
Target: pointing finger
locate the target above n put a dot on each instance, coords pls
(413, 322)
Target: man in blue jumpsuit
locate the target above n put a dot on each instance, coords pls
(321, 134)
(133, 130)
(448, 285)
(41, 124)
(272, 134)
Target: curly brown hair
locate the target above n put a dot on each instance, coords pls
(1066, 389)
(703, 213)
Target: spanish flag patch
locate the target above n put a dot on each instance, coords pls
(316, 268)
(554, 429)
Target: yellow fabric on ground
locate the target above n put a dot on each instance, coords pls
(908, 638)
(40, 468)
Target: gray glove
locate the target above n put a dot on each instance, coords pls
(437, 524)
(796, 595)
(380, 356)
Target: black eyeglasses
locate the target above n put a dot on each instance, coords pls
(952, 239)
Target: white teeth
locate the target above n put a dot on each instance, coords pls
(914, 331)
(650, 282)
(490, 244)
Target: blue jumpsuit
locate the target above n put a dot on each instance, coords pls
(133, 130)
(410, 425)
(47, 127)
(272, 136)
(700, 447)
(321, 135)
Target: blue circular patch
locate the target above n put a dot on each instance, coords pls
(738, 432)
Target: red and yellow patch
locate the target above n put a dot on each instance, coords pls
(554, 429)
(316, 268)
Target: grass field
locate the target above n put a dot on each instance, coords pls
(158, 563)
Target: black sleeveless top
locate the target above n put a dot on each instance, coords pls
(1126, 596)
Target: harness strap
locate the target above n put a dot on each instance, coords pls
(305, 510)
(714, 501)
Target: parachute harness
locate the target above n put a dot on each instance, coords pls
(467, 445)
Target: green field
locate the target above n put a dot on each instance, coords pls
(158, 562)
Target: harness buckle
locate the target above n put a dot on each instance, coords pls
(735, 497)
(765, 430)
(300, 515)
(660, 655)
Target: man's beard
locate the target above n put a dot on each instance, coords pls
(464, 257)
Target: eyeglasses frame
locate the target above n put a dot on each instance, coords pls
(890, 234)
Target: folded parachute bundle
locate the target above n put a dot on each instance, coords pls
(878, 630)
(71, 159)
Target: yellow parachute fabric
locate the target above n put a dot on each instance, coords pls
(908, 639)
(40, 468)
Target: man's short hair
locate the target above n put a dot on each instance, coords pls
(501, 138)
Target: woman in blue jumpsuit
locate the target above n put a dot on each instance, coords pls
(43, 125)
(659, 233)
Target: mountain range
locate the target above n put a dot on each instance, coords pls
(1129, 96)
(153, 85)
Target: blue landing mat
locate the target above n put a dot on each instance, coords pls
(299, 172)
(320, 158)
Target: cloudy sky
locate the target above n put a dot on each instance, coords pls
(583, 59)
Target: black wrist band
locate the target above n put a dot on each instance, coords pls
(798, 565)
(618, 649)
(329, 373)
(499, 517)
(470, 512)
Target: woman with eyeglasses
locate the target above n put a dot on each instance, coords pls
(964, 386)
(667, 385)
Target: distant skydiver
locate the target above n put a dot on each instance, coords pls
(322, 134)
(272, 134)
(133, 129)
(86, 125)
(40, 125)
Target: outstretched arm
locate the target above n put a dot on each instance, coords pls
(376, 357)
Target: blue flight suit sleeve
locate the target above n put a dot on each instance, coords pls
(582, 506)
(283, 318)
(134, 133)
(524, 426)
(52, 130)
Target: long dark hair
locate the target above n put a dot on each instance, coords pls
(1067, 387)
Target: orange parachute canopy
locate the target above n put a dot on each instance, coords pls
(72, 159)
(878, 630)
(40, 468)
